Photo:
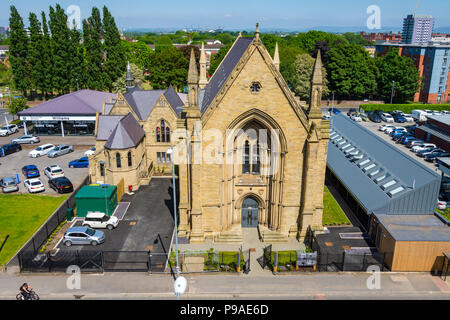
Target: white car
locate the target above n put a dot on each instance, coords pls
(34, 185)
(355, 117)
(392, 128)
(7, 130)
(386, 117)
(422, 146)
(384, 127)
(408, 117)
(442, 205)
(53, 172)
(100, 220)
(41, 150)
(90, 152)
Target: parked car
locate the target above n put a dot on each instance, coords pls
(61, 185)
(397, 112)
(91, 151)
(390, 129)
(83, 235)
(413, 143)
(386, 117)
(54, 171)
(8, 129)
(436, 154)
(426, 152)
(41, 150)
(355, 117)
(364, 116)
(60, 150)
(79, 163)
(400, 135)
(399, 118)
(9, 149)
(397, 130)
(419, 115)
(28, 138)
(30, 171)
(409, 139)
(423, 146)
(334, 110)
(374, 117)
(100, 220)
(378, 112)
(442, 205)
(408, 117)
(351, 111)
(34, 185)
(383, 127)
(9, 184)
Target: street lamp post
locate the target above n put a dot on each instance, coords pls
(170, 151)
(102, 163)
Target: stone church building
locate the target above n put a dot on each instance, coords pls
(249, 153)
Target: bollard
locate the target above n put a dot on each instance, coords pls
(275, 262)
(238, 268)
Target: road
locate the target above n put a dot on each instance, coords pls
(304, 286)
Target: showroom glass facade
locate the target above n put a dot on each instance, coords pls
(44, 127)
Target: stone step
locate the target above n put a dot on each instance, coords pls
(229, 238)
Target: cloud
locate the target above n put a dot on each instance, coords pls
(228, 15)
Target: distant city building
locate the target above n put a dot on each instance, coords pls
(382, 37)
(432, 61)
(417, 29)
(440, 38)
(4, 31)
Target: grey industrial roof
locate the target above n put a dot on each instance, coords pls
(445, 118)
(106, 125)
(224, 70)
(83, 102)
(415, 227)
(127, 134)
(143, 101)
(435, 131)
(415, 187)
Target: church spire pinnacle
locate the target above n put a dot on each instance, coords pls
(193, 73)
(276, 57)
(129, 79)
(316, 89)
(317, 75)
(203, 79)
(257, 31)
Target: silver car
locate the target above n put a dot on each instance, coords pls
(60, 150)
(26, 139)
(83, 235)
(9, 184)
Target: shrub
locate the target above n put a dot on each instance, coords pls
(405, 108)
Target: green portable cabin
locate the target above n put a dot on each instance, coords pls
(96, 198)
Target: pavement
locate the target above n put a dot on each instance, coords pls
(311, 286)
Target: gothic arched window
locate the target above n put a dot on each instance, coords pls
(246, 160)
(118, 160)
(162, 132)
(130, 160)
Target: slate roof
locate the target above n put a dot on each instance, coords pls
(415, 228)
(127, 134)
(420, 184)
(106, 126)
(224, 71)
(143, 101)
(83, 102)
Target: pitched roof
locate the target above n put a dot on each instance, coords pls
(224, 71)
(106, 125)
(143, 101)
(83, 102)
(127, 134)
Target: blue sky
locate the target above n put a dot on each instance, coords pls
(242, 14)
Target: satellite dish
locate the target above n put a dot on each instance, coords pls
(180, 286)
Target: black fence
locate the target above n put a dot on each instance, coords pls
(41, 236)
(345, 261)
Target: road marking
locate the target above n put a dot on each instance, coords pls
(443, 286)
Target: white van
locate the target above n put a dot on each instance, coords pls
(419, 115)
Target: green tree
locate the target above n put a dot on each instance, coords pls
(77, 63)
(356, 38)
(46, 56)
(304, 66)
(217, 59)
(308, 40)
(18, 52)
(163, 42)
(17, 105)
(168, 67)
(119, 85)
(352, 72)
(5, 76)
(393, 67)
(92, 34)
(60, 40)
(138, 53)
(115, 62)
(288, 55)
(36, 63)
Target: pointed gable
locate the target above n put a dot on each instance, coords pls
(142, 101)
(223, 71)
(174, 100)
(127, 134)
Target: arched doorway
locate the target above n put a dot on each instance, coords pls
(250, 208)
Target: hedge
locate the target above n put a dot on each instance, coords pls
(405, 108)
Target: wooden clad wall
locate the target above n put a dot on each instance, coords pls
(419, 255)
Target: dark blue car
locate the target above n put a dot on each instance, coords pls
(399, 118)
(79, 163)
(30, 171)
(334, 110)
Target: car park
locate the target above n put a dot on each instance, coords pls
(82, 236)
(408, 117)
(61, 185)
(9, 149)
(383, 127)
(8, 129)
(30, 171)
(364, 116)
(79, 163)
(100, 220)
(413, 143)
(91, 151)
(9, 184)
(355, 117)
(436, 154)
(386, 117)
(28, 138)
(374, 117)
(60, 150)
(423, 146)
(426, 152)
(53, 172)
(408, 139)
(399, 118)
(41, 150)
(34, 185)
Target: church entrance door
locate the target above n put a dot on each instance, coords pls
(249, 213)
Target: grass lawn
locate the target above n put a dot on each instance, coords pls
(21, 216)
(445, 214)
(332, 213)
